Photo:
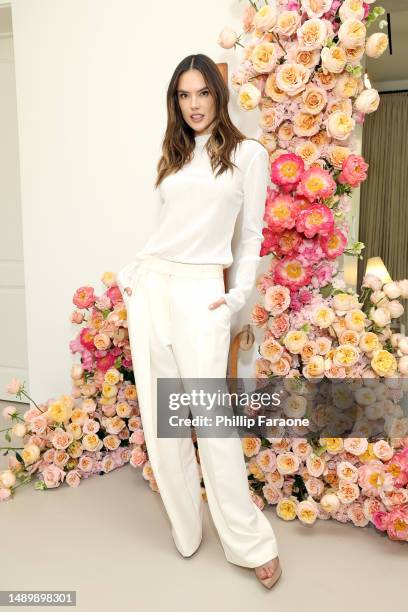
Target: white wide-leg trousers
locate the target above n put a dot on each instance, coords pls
(173, 334)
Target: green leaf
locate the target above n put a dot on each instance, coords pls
(326, 291)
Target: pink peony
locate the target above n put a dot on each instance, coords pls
(280, 212)
(292, 273)
(333, 244)
(84, 297)
(397, 524)
(286, 170)
(316, 183)
(317, 219)
(354, 171)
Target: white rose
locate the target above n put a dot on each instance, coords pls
(377, 296)
(330, 502)
(403, 365)
(352, 33)
(381, 317)
(7, 479)
(392, 290)
(372, 282)
(376, 44)
(395, 309)
(249, 96)
(227, 38)
(403, 285)
(367, 101)
(395, 338)
(333, 59)
(403, 345)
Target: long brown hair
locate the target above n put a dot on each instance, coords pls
(179, 139)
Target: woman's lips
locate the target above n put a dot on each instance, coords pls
(197, 117)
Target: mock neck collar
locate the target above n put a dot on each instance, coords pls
(201, 139)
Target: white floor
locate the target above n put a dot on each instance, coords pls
(110, 541)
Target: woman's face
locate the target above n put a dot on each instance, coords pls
(196, 102)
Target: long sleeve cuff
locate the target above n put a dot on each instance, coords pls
(255, 191)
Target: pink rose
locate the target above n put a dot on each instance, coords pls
(52, 476)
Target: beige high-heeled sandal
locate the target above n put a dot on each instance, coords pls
(276, 573)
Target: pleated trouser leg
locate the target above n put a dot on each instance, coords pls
(173, 334)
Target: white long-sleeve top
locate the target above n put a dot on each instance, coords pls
(198, 212)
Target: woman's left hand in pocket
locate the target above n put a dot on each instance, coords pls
(217, 304)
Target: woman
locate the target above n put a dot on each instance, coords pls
(179, 314)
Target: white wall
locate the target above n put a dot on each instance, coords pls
(91, 79)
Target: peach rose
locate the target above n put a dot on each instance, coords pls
(314, 99)
(352, 33)
(340, 125)
(316, 8)
(264, 57)
(291, 78)
(287, 23)
(351, 9)
(306, 124)
(272, 91)
(376, 44)
(312, 34)
(265, 18)
(347, 86)
(337, 155)
(333, 59)
(52, 476)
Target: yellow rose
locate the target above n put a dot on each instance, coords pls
(345, 355)
(295, 341)
(248, 96)
(286, 509)
(333, 445)
(91, 442)
(383, 363)
(112, 376)
(59, 412)
(79, 416)
(30, 454)
(109, 390)
(323, 316)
